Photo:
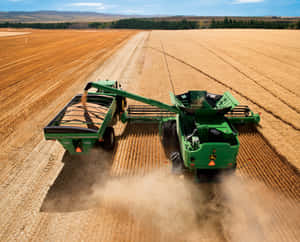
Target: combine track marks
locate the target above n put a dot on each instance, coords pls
(259, 72)
(167, 66)
(273, 58)
(248, 77)
(231, 88)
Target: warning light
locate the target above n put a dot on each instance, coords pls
(101, 140)
(214, 151)
(213, 157)
(229, 164)
(192, 164)
(211, 163)
(78, 150)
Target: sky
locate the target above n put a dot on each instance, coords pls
(162, 7)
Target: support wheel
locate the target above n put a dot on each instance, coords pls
(109, 138)
(177, 163)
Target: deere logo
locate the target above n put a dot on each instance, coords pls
(212, 157)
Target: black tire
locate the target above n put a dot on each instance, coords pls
(169, 129)
(177, 163)
(109, 138)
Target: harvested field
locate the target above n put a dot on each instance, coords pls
(37, 71)
(129, 195)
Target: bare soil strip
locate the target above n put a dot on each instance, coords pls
(4, 34)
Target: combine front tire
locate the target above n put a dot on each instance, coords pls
(109, 138)
(168, 130)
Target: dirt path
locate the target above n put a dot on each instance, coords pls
(4, 34)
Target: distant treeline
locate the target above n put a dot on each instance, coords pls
(255, 24)
(152, 24)
(160, 24)
(120, 24)
(36, 25)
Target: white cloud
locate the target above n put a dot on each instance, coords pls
(93, 5)
(247, 1)
(132, 11)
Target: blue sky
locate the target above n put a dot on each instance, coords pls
(162, 7)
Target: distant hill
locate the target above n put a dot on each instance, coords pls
(58, 16)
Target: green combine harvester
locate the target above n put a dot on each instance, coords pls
(202, 123)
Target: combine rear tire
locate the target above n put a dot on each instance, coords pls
(177, 163)
(109, 138)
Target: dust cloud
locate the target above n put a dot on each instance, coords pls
(256, 213)
(173, 205)
(233, 208)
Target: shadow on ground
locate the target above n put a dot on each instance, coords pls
(73, 187)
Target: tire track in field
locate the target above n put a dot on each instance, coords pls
(269, 56)
(260, 73)
(231, 88)
(279, 45)
(167, 66)
(134, 53)
(247, 76)
(272, 57)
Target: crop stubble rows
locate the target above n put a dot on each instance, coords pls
(165, 64)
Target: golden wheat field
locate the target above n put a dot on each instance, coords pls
(129, 194)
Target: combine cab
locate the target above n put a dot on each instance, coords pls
(207, 138)
(202, 123)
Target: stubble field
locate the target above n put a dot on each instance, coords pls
(128, 195)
